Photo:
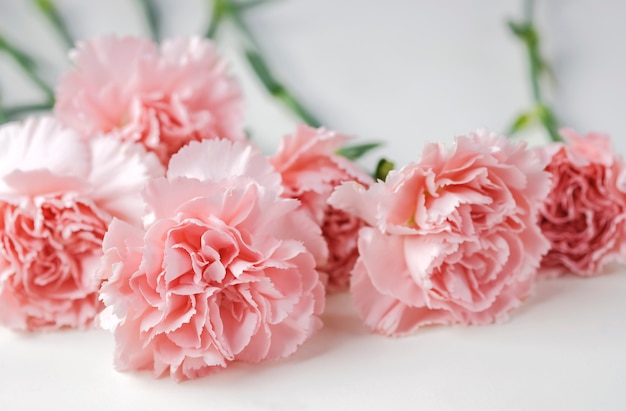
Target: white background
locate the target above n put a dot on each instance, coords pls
(404, 72)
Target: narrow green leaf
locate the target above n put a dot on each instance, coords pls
(49, 10)
(262, 71)
(524, 31)
(219, 9)
(518, 29)
(3, 116)
(28, 66)
(235, 15)
(383, 168)
(357, 151)
(296, 107)
(521, 122)
(549, 121)
(17, 55)
(538, 67)
(152, 18)
(11, 113)
(277, 90)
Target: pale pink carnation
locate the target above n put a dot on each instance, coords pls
(161, 97)
(221, 271)
(454, 237)
(585, 212)
(311, 168)
(57, 195)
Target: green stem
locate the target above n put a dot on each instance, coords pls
(277, 89)
(152, 18)
(289, 101)
(49, 10)
(223, 9)
(3, 116)
(532, 48)
(527, 32)
(26, 63)
(12, 112)
(218, 11)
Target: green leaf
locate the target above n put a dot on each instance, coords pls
(262, 71)
(357, 151)
(516, 28)
(521, 122)
(12, 113)
(28, 66)
(296, 107)
(235, 16)
(277, 90)
(524, 31)
(49, 10)
(22, 59)
(3, 116)
(152, 17)
(538, 66)
(549, 121)
(383, 168)
(218, 12)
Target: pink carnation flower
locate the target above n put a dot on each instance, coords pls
(585, 212)
(311, 169)
(221, 272)
(57, 195)
(454, 237)
(162, 98)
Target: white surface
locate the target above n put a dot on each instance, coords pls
(564, 350)
(405, 72)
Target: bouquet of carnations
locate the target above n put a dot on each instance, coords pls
(140, 206)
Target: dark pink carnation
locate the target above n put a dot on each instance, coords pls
(311, 168)
(223, 270)
(454, 237)
(585, 212)
(161, 97)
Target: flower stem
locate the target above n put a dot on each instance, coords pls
(223, 9)
(3, 116)
(277, 89)
(11, 113)
(527, 33)
(218, 11)
(152, 17)
(27, 64)
(49, 10)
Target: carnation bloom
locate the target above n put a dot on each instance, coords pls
(57, 195)
(311, 169)
(454, 237)
(222, 270)
(585, 212)
(162, 98)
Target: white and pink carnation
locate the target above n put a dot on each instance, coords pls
(311, 168)
(222, 271)
(584, 217)
(454, 237)
(162, 97)
(57, 195)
